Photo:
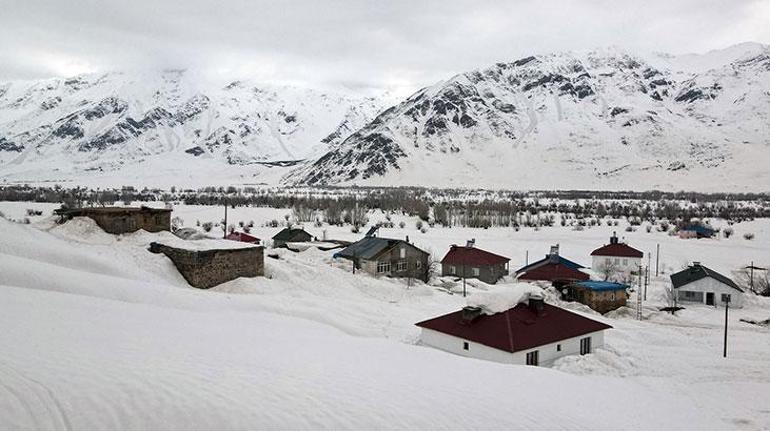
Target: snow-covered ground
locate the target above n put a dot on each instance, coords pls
(98, 333)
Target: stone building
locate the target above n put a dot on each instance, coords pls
(205, 264)
(601, 296)
(388, 257)
(118, 220)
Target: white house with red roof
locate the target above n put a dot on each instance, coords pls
(472, 262)
(530, 333)
(617, 257)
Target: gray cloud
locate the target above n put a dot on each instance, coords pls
(361, 43)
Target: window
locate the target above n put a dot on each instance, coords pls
(402, 253)
(607, 260)
(532, 358)
(452, 269)
(558, 347)
(726, 297)
(476, 272)
(383, 267)
(585, 345)
(625, 262)
(401, 266)
(418, 265)
(617, 261)
(466, 346)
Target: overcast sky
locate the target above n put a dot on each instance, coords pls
(356, 43)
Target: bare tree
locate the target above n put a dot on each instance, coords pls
(608, 269)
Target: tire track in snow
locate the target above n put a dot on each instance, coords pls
(54, 407)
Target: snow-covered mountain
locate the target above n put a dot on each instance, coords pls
(603, 119)
(155, 127)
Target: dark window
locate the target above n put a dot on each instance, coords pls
(725, 297)
(585, 345)
(532, 358)
(558, 347)
(466, 346)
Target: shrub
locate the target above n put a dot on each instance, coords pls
(727, 232)
(748, 236)
(401, 224)
(207, 226)
(418, 225)
(424, 229)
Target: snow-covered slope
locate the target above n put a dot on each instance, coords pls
(169, 121)
(604, 119)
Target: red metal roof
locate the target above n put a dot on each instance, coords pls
(553, 271)
(472, 256)
(519, 328)
(617, 250)
(242, 237)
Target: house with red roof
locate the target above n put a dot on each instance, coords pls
(553, 268)
(242, 237)
(530, 333)
(472, 262)
(616, 259)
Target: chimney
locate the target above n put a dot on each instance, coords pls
(553, 255)
(614, 238)
(536, 303)
(470, 314)
(695, 264)
(407, 239)
(470, 243)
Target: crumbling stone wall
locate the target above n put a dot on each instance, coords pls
(208, 268)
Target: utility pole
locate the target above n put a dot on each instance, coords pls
(224, 228)
(727, 306)
(657, 259)
(639, 296)
(526, 258)
(463, 279)
(752, 276)
(646, 281)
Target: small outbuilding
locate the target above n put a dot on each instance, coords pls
(616, 258)
(207, 263)
(696, 231)
(388, 257)
(290, 235)
(531, 333)
(120, 220)
(473, 262)
(601, 296)
(700, 284)
(553, 268)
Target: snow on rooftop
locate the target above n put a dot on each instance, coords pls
(503, 298)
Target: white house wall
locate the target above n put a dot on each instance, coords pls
(708, 284)
(547, 353)
(624, 264)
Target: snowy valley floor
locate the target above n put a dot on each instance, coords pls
(98, 333)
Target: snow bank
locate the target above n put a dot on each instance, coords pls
(503, 298)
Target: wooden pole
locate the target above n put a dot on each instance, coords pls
(657, 259)
(727, 306)
(225, 227)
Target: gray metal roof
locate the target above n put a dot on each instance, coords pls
(369, 247)
(696, 272)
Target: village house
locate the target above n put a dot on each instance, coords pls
(601, 296)
(553, 268)
(120, 220)
(472, 262)
(242, 237)
(388, 257)
(208, 263)
(699, 284)
(531, 333)
(616, 259)
(696, 231)
(290, 235)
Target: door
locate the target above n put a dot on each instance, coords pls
(709, 298)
